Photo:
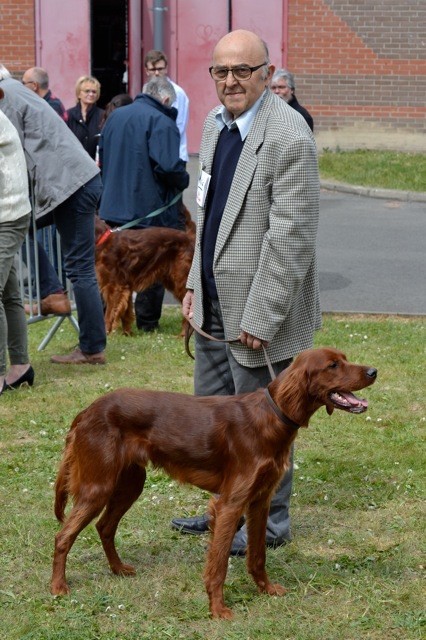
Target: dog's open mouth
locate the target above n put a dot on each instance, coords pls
(348, 401)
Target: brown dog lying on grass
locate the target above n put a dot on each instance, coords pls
(134, 259)
(234, 446)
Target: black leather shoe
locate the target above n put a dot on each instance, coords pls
(197, 525)
(26, 378)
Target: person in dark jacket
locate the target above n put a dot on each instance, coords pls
(142, 172)
(85, 118)
(283, 84)
(65, 181)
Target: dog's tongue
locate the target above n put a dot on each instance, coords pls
(351, 399)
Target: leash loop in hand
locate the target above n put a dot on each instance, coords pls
(192, 326)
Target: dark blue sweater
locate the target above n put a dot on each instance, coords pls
(227, 153)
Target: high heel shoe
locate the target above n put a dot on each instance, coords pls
(26, 378)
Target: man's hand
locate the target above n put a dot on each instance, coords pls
(251, 341)
(187, 310)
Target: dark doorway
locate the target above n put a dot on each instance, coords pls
(109, 22)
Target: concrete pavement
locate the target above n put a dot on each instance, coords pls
(371, 248)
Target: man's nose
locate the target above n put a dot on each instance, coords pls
(230, 80)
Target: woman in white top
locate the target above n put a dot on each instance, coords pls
(14, 221)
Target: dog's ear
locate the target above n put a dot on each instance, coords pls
(330, 409)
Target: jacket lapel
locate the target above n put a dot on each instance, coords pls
(243, 176)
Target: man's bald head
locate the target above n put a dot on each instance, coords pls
(236, 49)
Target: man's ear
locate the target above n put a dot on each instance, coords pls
(271, 71)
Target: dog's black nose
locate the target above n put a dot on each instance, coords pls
(371, 373)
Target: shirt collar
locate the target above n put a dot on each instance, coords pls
(243, 122)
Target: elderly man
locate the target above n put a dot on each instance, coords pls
(37, 79)
(142, 172)
(284, 85)
(254, 273)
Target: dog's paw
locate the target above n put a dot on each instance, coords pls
(124, 570)
(222, 613)
(275, 589)
(59, 588)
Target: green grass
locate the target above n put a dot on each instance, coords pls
(355, 566)
(380, 169)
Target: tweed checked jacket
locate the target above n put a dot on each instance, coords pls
(264, 264)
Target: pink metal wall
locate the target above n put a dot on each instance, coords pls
(63, 44)
(191, 30)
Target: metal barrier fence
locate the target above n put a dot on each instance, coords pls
(28, 267)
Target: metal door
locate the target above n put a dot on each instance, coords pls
(192, 28)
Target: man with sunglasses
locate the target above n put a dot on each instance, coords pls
(254, 274)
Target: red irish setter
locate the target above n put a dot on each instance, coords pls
(134, 259)
(234, 446)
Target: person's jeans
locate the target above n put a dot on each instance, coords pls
(75, 221)
(217, 372)
(13, 323)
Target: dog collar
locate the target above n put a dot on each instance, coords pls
(279, 413)
(104, 237)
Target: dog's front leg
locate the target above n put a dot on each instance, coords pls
(257, 515)
(225, 521)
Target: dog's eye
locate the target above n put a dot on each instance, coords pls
(333, 365)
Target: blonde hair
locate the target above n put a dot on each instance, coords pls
(92, 80)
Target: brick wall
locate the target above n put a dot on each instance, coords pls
(17, 35)
(360, 66)
(361, 62)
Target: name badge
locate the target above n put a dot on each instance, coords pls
(202, 186)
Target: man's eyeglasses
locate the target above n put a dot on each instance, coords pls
(29, 82)
(154, 69)
(242, 72)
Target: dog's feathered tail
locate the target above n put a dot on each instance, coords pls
(63, 480)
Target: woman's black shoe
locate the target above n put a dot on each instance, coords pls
(26, 378)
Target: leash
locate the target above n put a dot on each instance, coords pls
(132, 223)
(191, 326)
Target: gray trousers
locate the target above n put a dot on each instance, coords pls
(217, 372)
(13, 323)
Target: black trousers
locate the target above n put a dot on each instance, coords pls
(148, 306)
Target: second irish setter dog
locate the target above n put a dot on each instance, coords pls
(235, 446)
(134, 259)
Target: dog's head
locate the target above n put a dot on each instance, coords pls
(331, 380)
